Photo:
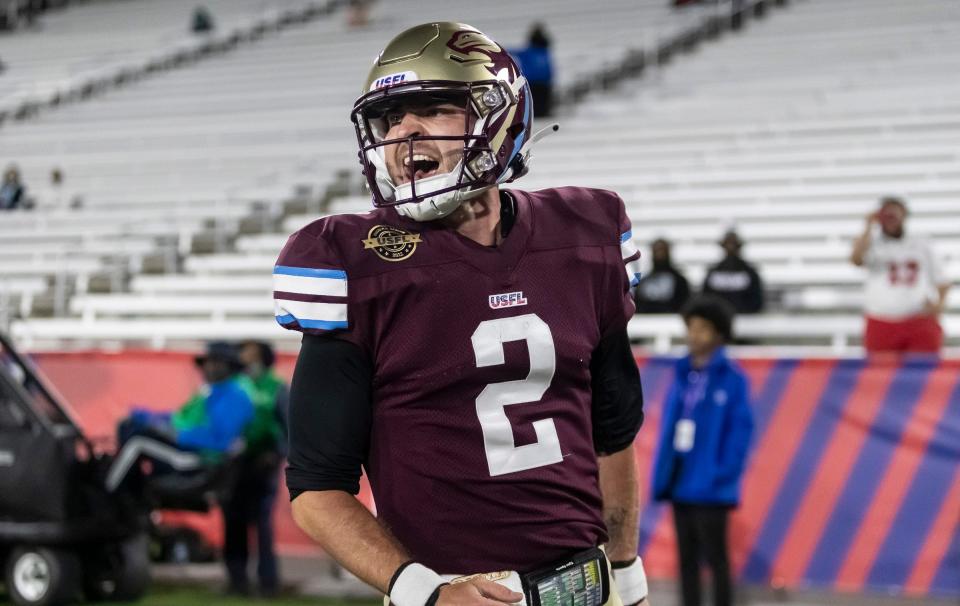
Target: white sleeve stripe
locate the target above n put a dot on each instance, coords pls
(305, 310)
(303, 285)
(628, 249)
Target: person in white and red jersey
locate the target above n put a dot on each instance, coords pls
(906, 288)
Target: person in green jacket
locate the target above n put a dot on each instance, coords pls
(251, 502)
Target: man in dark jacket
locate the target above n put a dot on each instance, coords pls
(251, 503)
(664, 290)
(703, 447)
(734, 279)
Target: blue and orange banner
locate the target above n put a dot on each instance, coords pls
(853, 482)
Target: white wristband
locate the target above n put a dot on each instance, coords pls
(631, 582)
(414, 586)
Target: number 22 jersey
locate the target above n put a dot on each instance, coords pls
(481, 451)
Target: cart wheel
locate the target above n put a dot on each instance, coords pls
(42, 576)
(121, 573)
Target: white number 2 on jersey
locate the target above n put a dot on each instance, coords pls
(502, 455)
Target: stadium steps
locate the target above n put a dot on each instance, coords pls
(47, 86)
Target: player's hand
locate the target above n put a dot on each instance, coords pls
(873, 218)
(477, 592)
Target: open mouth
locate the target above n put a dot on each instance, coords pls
(418, 167)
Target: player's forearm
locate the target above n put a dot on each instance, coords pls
(621, 508)
(348, 532)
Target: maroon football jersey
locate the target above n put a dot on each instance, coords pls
(481, 453)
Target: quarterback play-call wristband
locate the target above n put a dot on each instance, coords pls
(414, 584)
(631, 580)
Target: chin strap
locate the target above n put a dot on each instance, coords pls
(522, 161)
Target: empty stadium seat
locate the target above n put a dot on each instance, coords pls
(789, 130)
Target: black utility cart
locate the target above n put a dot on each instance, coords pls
(63, 535)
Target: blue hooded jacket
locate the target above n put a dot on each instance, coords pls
(228, 409)
(710, 472)
(535, 64)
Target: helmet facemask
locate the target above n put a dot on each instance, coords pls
(487, 106)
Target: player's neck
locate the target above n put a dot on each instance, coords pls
(479, 219)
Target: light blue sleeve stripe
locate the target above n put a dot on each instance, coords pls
(321, 324)
(635, 280)
(626, 236)
(308, 272)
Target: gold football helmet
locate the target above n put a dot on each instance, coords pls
(445, 63)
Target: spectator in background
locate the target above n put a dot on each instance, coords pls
(213, 419)
(202, 21)
(12, 191)
(251, 502)
(704, 440)
(664, 290)
(734, 279)
(60, 196)
(906, 289)
(359, 13)
(537, 67)
(9, 14)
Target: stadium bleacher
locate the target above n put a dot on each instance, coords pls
(171, 154)
(834, 104)
(791, 133)
(108, 39)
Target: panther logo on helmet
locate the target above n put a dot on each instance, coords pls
(474, 46)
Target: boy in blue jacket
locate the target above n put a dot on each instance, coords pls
(704, 439)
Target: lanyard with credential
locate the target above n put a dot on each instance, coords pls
(694, 393)
(685, 430)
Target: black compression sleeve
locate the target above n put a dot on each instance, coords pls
(330, 416)
(617, 395)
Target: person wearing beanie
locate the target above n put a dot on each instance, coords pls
(702, 452)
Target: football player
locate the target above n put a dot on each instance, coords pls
(466, 345)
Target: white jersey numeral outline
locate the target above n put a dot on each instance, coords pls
(503, 456)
